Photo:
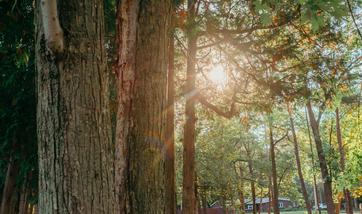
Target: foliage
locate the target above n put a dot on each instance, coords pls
(17, 91)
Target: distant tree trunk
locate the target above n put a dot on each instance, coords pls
(23, 201)
(188, 191)
(7, 202)
(269, 194)
(347, 194)
(327, 182)
(275, 191)
(260, 200)
(252, 184)
(241, 189)
(297, 159)
(170, 144)
(315, 188)
(143, 39)
(73, 125)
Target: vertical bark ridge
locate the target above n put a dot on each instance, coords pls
(143, 31)
(75, 149)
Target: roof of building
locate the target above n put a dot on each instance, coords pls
(262, 200)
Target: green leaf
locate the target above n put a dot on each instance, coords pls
(266, 19)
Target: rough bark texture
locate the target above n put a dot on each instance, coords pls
(188, 182)
(7, 202)
(346, 192)
(327, 181)
(170, 129)
(297, 160)
(143, 32)
(275, 191)
(74, 137)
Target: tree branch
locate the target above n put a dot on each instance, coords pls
(52, 30)
(229, 114)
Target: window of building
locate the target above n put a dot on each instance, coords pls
(250, 206)
(281, 205)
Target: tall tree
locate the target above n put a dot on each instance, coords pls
(315, 188)
(74, 141)
(188, 182)
(297, 160)
(327, 181)
(143, 38)
(342, 162)
(170, 130)
(274, 175)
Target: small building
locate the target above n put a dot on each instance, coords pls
(263, 204)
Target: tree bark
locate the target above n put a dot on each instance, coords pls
(299, 165)
(23, 201)
(73, 126)
(315, 189)
(347, 194)
(142, 37)
(241, 189)
(252, 184)
(188, 191)
(275, 191)
(327, 182)
(269, 194)
(170, 142)
(7, 202)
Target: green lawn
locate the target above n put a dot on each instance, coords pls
(300, 212)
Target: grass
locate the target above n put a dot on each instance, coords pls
(300, 212)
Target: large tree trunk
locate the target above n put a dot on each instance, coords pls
(275, 191)
(143, 32)
(74, 137)
(347, 194)
(170, 142)
(7, 202)
(188, 182)
(327, 181)
(297, 159)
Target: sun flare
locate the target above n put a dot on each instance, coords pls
(218, 76)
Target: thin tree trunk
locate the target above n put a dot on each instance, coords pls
(275, 191)
(252, 184)
(347, 194)
(170, 144)
(315, 188)
(269, 194)
(73, 125)
(297, 159)
(143, 35)
(260, 200)
(241, 190)
(327, 182)
(23, 198)
(7, 202)
(188, 191)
